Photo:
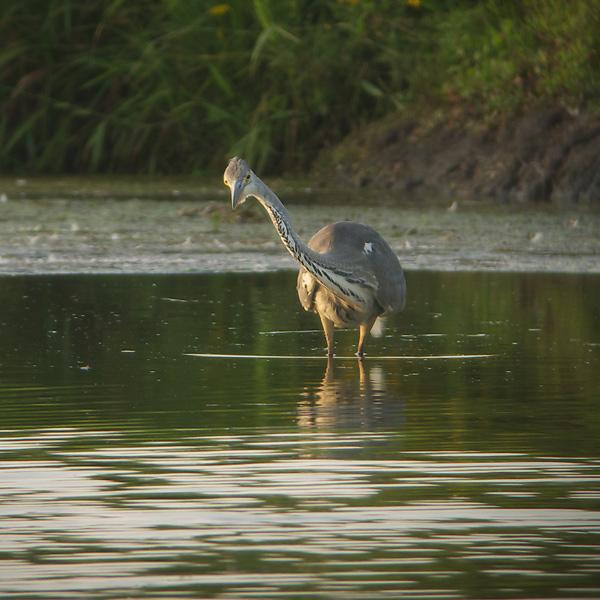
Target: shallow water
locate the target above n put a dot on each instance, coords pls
(95, 231)
(129, 468)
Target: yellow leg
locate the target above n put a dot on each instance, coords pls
(328, 377)
(363, 331)
(362, 372)
(328, 330)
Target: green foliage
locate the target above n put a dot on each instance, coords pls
(178, 85)
(501, 56)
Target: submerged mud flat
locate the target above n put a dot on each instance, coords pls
(157, 230)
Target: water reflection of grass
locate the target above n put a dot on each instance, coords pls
(538, 392)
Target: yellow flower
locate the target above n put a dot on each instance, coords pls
(219, 9)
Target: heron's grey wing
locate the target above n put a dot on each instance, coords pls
(306, 286)
(362, 250)
(391, 292)
(343, 243)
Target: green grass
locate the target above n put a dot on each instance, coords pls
(177, 86)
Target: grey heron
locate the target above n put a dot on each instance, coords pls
(348, 274)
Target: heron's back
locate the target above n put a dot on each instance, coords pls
(359, 247)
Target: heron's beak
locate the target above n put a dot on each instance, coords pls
(236, 194)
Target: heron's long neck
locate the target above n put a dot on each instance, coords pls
(330, 274)
(282, 222)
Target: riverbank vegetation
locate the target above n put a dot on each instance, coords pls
(178, 85)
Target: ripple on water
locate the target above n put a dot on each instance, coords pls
(118, 512)
(146, 473)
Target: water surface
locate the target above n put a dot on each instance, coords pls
(128, 468)
(64, 229)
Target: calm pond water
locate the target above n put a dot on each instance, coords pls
(129, 468)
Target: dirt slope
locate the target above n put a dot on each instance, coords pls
(552, 155)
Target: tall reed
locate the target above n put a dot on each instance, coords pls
(177, 85)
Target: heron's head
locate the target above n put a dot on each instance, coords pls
(241, 180)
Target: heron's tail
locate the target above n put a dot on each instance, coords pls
(378, 327)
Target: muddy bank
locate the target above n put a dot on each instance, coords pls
(550, 156)
(89, 234)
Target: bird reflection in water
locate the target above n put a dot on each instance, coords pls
(351, 396)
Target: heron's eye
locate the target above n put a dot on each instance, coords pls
(247, 178)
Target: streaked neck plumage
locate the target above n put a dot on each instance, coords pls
(336, 277)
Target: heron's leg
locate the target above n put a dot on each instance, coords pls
(362, 372)
(363, 331)
(328, 377)
(328, 330)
